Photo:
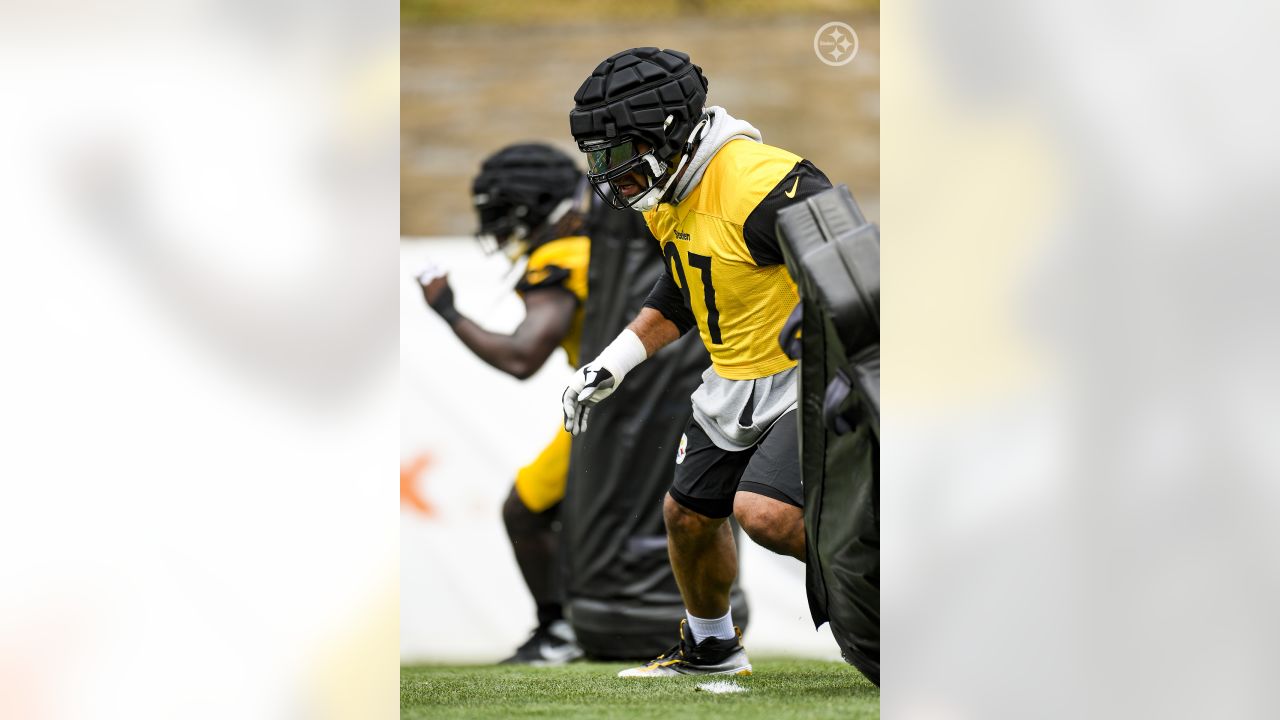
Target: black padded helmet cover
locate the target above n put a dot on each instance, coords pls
(523, 182)
(633, 93)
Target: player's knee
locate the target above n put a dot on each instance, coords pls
(769, 522)
(520, 520)
(683, 522)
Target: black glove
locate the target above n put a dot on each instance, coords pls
(436, 291)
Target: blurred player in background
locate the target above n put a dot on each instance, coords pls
(710, 191)
(532, 202)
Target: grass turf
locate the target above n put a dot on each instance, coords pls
(779, 689)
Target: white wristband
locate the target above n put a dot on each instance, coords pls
(623, 354)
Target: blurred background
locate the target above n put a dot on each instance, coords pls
(198, 403)
(201, 275)
(478, 76)
(1079, 493)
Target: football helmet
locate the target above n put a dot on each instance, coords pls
(524, 195)
(635, 114)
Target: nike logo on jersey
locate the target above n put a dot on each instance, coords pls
(792, 192)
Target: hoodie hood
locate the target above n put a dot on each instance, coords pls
(716, 129)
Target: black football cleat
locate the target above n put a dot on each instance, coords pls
(549, 645)
(712, 656)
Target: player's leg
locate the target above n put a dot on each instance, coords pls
(531, 513)
(770, 501)
(535, 542)
(704, 559)
(700, 542)
(773, 524)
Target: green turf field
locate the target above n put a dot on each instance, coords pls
(779, 689)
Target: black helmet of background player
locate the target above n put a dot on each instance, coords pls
(525, 195)
(635, 115)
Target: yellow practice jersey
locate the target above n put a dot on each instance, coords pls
(723, 260)
(561, 263)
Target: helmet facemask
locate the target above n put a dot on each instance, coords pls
(513, 230)
(503, 227)
(515, 193)
(612, 166)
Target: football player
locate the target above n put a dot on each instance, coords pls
(710, 191)
(532, 201)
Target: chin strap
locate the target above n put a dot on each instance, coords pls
(660, 191)
(518, 244)
(651, 197)
(656, 194)
(559, 211)
(567, 218)
(691, 149)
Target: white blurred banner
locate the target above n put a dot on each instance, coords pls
(198, 389)
(1080, 352)
(465, 429)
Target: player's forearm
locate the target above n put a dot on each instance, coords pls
(508, 353)
(654, 330)
(648, 333)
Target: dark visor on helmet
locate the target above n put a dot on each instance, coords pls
(602, 160)
(609, 162)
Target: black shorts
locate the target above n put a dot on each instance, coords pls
(708, 477)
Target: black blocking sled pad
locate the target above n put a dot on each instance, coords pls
(833, 254)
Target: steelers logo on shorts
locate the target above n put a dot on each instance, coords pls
(684, 442)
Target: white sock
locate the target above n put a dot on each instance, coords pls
(702, 628)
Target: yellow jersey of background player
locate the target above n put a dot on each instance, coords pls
(532, 203)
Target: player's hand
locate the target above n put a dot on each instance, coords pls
(590, 385)
(434, 281)
(599, 378)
